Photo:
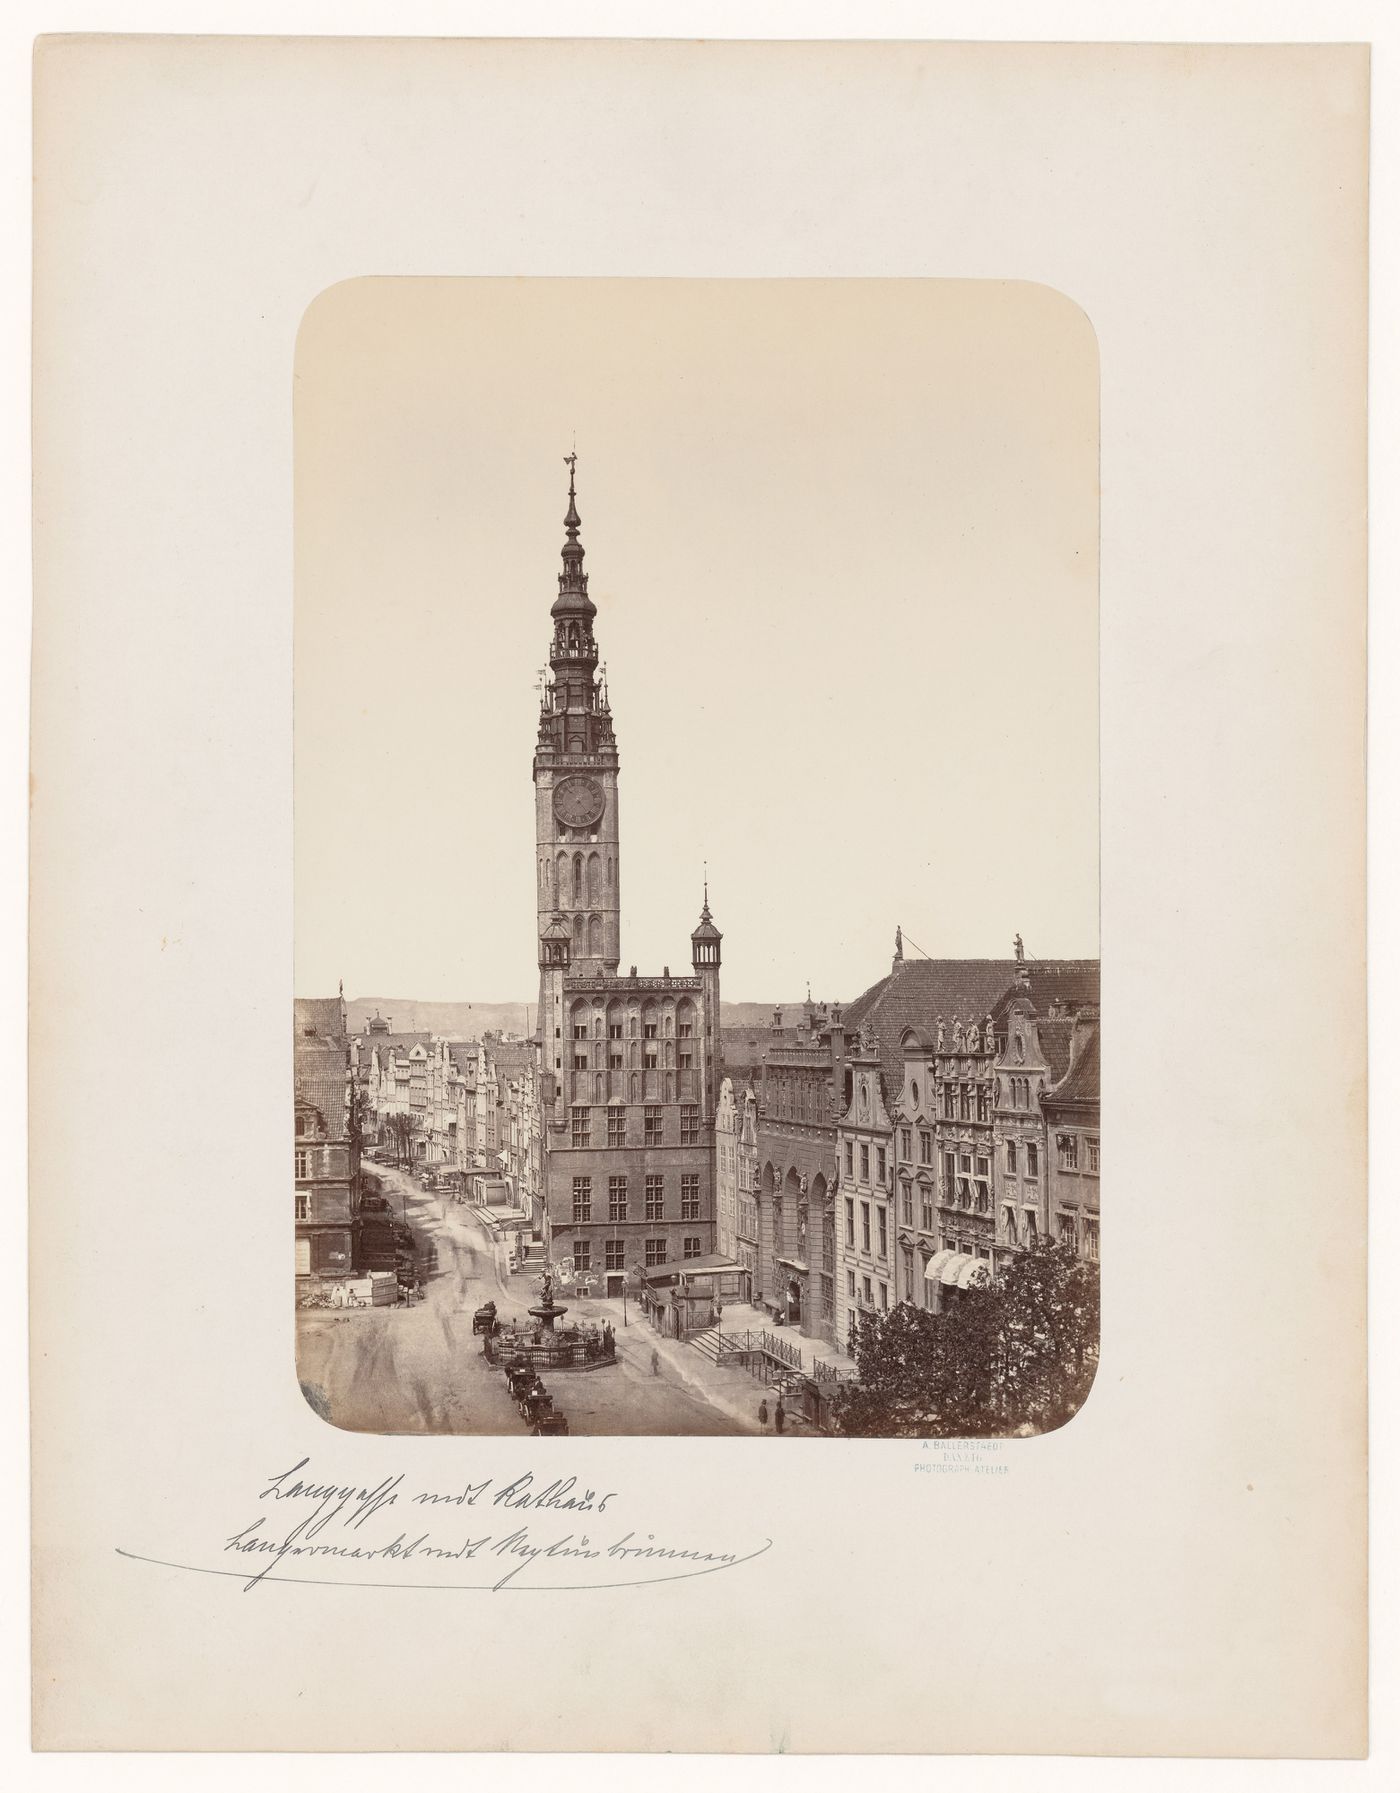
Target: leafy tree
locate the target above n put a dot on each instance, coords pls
(1017, 1355)
(401, 1129)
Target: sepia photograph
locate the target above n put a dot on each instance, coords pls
(697, 1015)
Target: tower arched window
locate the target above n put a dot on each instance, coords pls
(578, 877)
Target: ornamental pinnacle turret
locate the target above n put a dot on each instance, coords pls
(576, 766)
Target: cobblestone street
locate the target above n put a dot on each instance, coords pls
(421, 1369)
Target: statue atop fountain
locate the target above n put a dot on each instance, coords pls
(549, 1309)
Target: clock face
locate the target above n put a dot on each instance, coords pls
(578, 802)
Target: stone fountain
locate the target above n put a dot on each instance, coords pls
(549, 1309)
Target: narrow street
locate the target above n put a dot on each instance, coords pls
(421, 1369)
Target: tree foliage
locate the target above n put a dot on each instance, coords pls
(400, 1129)
(1016, 1356)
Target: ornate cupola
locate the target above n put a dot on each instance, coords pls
(704, 942)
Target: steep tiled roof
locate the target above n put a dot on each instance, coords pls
(319, 1065)
(318, 1014)
(401, 1043)
(1056, 984)
(1054, 1037)
(1082, 1083)
(917, 994)
(511, 1056)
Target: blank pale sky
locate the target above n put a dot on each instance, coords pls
(842, 537)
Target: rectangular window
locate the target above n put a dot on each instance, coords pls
(880, 1165)
(1094, 1156)
(865, 1163)
(649, 1031)
(1011, 1157)
(656, 1252)
(984, 1103)
(1032, 1159)
(949, 1102)
(303, 1207)
(865, 1226)
(617, 1198)
(1091, 1238)
(684, 1030)
(690, 1124)
(850, 1221)
(869, 1292)
(615, 1059)
(580, 1030)
(907, 1211)
(613, 1258)
(851, 1284)
(1068, 1231)
(850, 1159)
(652, 1126)
(690, 1247)
(614, 1030)
(579, 1117)
(926, 1215)
(1069, 1152)
(650, 1058)
(884, 1232)
(303, 1163)
(685, 1060)
(906, 1143)
(583, 1198)
(617, 1127)
(925, 1147)
(583, 1255)
(885, 1296)
(656, 1197)
(690, 1195)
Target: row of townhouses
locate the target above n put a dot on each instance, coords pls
(902, 1148)
(450, 1105)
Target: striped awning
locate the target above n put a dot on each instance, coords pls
(957, 1269)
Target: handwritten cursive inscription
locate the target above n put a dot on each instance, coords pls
(333, 1523)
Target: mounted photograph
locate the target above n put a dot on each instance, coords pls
(696, 1012)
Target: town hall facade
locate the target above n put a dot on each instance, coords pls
(629, 1064)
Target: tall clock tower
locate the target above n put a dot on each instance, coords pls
(576, 829)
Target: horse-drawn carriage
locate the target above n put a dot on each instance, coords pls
(484, 1319)
(550, 1424)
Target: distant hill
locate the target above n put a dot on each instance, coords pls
(469, 1020)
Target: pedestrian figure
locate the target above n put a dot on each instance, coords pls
(655, 1364)
(763, 1415)
(780, 1414)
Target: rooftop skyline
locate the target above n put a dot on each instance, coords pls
(843, 546)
